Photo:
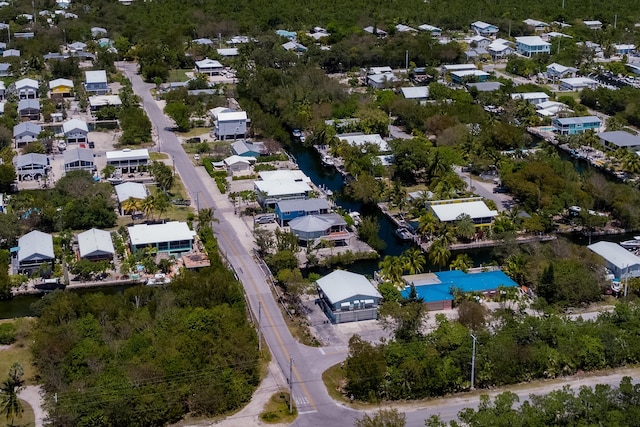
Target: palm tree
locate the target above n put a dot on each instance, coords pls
(148, 206)
(161, 203)
(392, 268)
(465, 227)
(131, 205)
(462, 262)
(427, 224)
(413, 260)
(439, 253)
(631, 163)
(9, 401)
(515, 266)
(205, 218)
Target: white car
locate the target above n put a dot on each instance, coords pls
(196, 157)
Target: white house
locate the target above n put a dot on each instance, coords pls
(361, 140)
(129, 190)
(620, 261)
(26, 132)
(75, 131)
(593, 25)
(500, 48)
(228, 123)
(171, 237)
(559, 71)
(27, 89)
(534, 98)
(532, 45)
(348, 297)
(434, 31)
(451, 210)
(271, 192)
(210, 67)
(95, 245)
(31, 166)
(128, 160)
(578, 83)
(381, 81)
(416, 93)
(238, 165)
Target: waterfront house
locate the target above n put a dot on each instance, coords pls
(621, 262)
(271, 192)
(75, 131)
(310, 229)
(348, 297)
(248, 149)
(532, 45)
(172, 237)
(287, 210)
(78, 159)
(95, 245)
(34, 252)
(575, 125)
(620, 139)
(452, 209)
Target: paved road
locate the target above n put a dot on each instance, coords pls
(313, 402)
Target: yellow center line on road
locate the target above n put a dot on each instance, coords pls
(271, 322)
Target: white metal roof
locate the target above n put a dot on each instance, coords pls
(360, 140)
(465, 73)
(74, 124)
(30, 159)
(95, 242)
(102, 100)
(26, 127)
(341, 285)
(615, 254)
(306, 205)
(232, 160)
(209, 63)
(451, 211)
(230, 51)
(459, 67)
(532, 41)
(416, 92)
(128, 154)
(22, 83)
(147, 234)
(284, 174)
(283, 187)
(483, 25)
(96, 76)
(35, 245)
(529, 95)
(60, 82)
(535, 23)
(315, 223)
(127, 190)
(225, 116)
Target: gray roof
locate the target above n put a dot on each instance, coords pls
(314, 223)
(127, 190)
(30, 159)
(305, 205)
(241, 147)
(31, 104)
(342, 285)
(35, 245)
(486, 86)
(615, 254)
(95, 242)
(578, 120)
(75, 154)
(26, 127)
(415, 92)
(620, 138)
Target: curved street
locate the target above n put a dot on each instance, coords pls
(314, 404)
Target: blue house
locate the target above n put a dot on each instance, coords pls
(484, 29)
(469, 76)
(532, 45)
(96, 82)
(575, 125)
(248, 149)
(286, 210)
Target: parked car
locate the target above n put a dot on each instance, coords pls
(265, 219)
(195, 140)
(196, 157)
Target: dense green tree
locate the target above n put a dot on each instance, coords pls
(9, 401)
(180, 114)
(382, 418)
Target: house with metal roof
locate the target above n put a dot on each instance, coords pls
(378, 32)
(172, 237)
(5, 69)
(593, 25)
(575, 125)
(98, 32)
(78, 159)
(434, 31)
(452, 209)
(348, 297)
(34, 249)
(469, 75)
(416, 93)
(61, 88)
(620, 139)
(358, 139)
(239, 165)
(26, 132)
(129, 190)
(31, 166)
(75, 131)
(578, 83)
(203, 41)
(99, 101)
(620, 261)
(538, 26)
(272, 191)
(484, 29)
(558, 71)
(128, 160)
(29, 109)
(228, 123)
(245, 148)
(485, 86)
(95, 82)
(210, 67)
(27, 89)
(287, 210)
(310, 229)
(534, 98)
(500, 48)
(95, 245)
(532, 45)
(284, 174)
(552, 109)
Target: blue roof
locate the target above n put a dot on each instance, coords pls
(474, 282)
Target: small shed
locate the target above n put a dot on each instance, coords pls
(348, 297)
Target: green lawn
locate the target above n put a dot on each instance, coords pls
(276, 410)
(28, 418)
(154, 155)
(19, 351)
(195, 132)
(179, 75)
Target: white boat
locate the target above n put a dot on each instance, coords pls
(404, 233)
(355, 216)
(631, 244)
(327, 161)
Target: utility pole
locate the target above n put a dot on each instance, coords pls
(259, 329)
(290, 384)
(473, 361)
(615, 22)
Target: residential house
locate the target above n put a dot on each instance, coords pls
(29, 109)
(347, 297)
(172, 237)
(484, 29)
(272, 191)
(228, 52)
(575, 125)
(434, 31)
(310, 229)
(284, 174)
(621, 262)
(61, 88)
(449, 68)
(96, 82)
(451, 210)
(128, 160)
(402, 28)
(538, 26)
(11, 53)
(381, 81)
(75, 131)
(31, 166)
(228, 123)
(532, 45)
(460, 77)
(552, 109)
(554, 34)
(294, 46)
(27, 89)
(97, 32)
(500, 48)
(624, 49)
(78, 159)
(534, 98)
(248, 149)
(416, 93)
(26, 132)
(239, 165)
(3, 91)
(378, 32)
(578, 83)
(290, 35)
(287, 210)
(95, 245)
(361, 140)
(478, 41)
(202, 42)
(236, 40)
(77, 46)
(100, 101)
(210, 67)
(5, 69)
(3, 206)
(620, 139)
(485, 86)
(34, 251)
(593, 25)
(129, 190)
(557, 71)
